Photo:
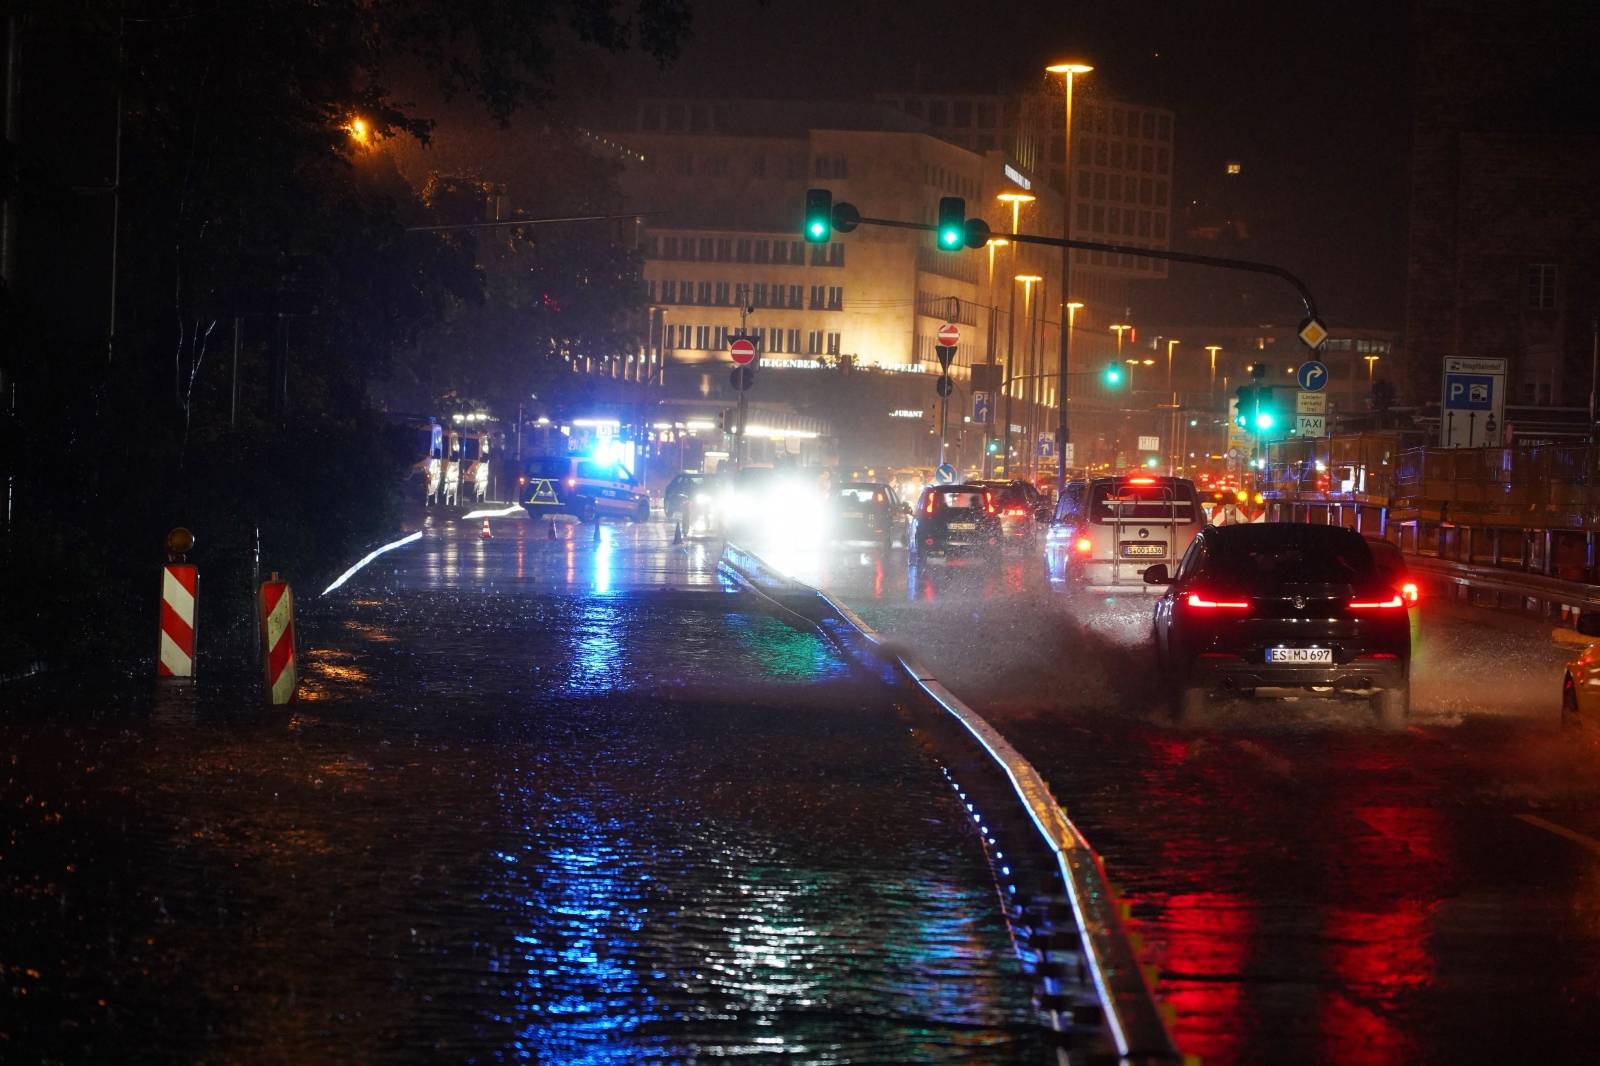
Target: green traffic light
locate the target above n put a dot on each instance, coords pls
(1265, 420)
(819, 215)
(951, 238)
(1113, 376)
(818, 229)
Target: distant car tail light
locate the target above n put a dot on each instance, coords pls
(1395, 602)
(1204, 601)
(1411, 593)
(1083, 545)
(572, 482)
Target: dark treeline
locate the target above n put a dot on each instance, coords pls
(255, 227)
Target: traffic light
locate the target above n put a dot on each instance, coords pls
(952, 232)
(819, 215)
(1112, 376)
(1257, 410)
(993, 446)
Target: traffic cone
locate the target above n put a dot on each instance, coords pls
(552, 529)
(677, 532)
(485, 533)
(596, 537)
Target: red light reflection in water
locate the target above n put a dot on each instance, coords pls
(1378, 942)
(877, 580)
(1205, 945)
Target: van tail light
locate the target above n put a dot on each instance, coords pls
(988, 502)
(1204, 601)
(1411, 593)
(1083, 545)
(1395, 602)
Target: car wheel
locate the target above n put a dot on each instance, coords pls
(1393, 706)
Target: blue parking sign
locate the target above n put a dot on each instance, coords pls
(980, 408)
(1468, 392)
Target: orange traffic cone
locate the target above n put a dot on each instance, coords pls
(486, 534)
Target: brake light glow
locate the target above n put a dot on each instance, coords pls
(988, 503)
(1016, 511)
(572, 482)
(1141, 481)
(1379, 605)
(1411, 593)
(927, 508)
(1084, 545)
(1198, 599)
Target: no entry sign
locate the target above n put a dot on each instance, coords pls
(743, 352)
(949, 335)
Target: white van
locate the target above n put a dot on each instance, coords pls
(1108, 530)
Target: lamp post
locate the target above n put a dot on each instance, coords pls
(1016, 200)
(1371, 359)
(1028, 282)
(1068, 69)
(1172, 421)
(1213, 349)
(1073, 307)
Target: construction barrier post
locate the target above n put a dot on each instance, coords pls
(277, 627)
(180, 596)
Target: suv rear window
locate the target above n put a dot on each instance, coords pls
(1277, 553)
(1163, 499)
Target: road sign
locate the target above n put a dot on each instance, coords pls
(1313, 333)
(743, 351)
(944, 386)
(946, 353)
(1068, 448)
(742, 377)
(945, 474)
(1149, 444)
(1310, 403)
(1311, 425)
(1047, 447)
(1312, 375)
(1473, 402)
(981, 412)
(949, 335)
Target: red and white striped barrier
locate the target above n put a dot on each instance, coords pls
(180, 593)
(277, 627)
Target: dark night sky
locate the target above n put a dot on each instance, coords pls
(1312, 98)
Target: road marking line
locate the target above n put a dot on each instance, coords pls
(1586, 842)
(371, 555)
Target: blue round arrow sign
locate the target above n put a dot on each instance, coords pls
(1312, 375)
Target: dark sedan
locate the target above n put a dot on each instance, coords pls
(953, 520)
(1282, 606)
(863, 511)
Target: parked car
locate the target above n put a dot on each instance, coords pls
(684, 489)
(954, 520)
(1580, 687)
(1281, 605)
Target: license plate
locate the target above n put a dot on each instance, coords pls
(1140, 549)
(1300, 655)
(963, 527)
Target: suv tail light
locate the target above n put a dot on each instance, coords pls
(1204, 601)
(1410, 592)
(988, 502)
(1395, 602)
(1083, 545)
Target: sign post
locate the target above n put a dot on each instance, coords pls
(948, 337)
(1472, 407)
(743, 353)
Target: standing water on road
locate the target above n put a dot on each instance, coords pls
(615, 825)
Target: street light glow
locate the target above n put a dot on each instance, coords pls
(1068, 66)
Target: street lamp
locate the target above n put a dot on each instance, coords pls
(1371, 359)
(1068, 69)
(1213, 349)
(1016, 200)
(1028, 282)
(1172, 422)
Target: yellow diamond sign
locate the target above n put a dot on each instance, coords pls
(1313, 333)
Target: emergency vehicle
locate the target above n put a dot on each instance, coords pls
(586, 488)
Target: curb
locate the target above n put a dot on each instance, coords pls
(1121, 986)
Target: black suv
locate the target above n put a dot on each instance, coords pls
(1282, 605)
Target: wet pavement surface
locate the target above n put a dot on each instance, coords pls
(541, 800)
(1310, 887)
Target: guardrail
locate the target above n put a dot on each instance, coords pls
(1107, 960)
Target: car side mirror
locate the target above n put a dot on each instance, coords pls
(1589, 623)
(1157, 575)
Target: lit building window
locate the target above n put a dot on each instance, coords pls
(1234, 168)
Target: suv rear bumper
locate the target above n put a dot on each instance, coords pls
(1354, 676)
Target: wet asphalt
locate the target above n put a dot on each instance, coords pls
(541, 800)
(1309, 887)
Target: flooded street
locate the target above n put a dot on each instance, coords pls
(1310, 887)
(609, 813)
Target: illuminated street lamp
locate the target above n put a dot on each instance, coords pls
(359, 131)
(1015, 200)
(1213, 349)
(1028, 282)
(1069, 69)
(1371, 359)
